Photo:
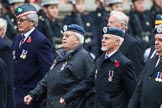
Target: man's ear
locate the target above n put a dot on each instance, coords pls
(117, 41)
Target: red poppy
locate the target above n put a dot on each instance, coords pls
(29, 40)
(116, 63)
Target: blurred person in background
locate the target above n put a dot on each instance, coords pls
(99, 17)
(130, 47)
(35, 3)
(80, 17)
(9, 15)
(49, 25)
(141, 25)
(114, 5)
(156, 8)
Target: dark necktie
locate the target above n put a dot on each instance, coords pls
(22, 40)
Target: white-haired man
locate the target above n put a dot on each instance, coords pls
(120, 20)
(115, 77)
(32, 55)
(73, 65)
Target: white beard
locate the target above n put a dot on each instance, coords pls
(103, 48)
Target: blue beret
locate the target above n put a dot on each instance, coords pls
(158, 19)
(75, 28)
(158, 30)
(25, 10)
(113, 31)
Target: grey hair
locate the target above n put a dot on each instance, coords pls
(81, 37)
(3, 24)
(121, 39)
(33, 17)
(121, 17)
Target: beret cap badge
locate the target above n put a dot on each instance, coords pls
(19, 10)
(74, 28)
(65, 28)
(159, 29)
(105, 29)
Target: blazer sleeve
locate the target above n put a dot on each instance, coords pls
(45, 56)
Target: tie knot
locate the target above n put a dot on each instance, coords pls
(106, 56)
(22, 37)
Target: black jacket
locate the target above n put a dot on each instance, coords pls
(66, 73)
(132, 50)
(148, 90)
(115, 81)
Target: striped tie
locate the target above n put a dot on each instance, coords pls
(22, 40)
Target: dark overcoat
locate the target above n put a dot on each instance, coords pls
(67, 72)
(148, 90)
(115, 81)
(132, 50)
(31, 62)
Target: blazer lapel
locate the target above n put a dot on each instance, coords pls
(152, 63)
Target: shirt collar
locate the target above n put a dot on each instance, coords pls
(109, 55)
(28, 33)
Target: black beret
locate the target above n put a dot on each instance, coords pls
(158, 19)
(158, 30)
(75, 28)
(113, 31)
(25, 10)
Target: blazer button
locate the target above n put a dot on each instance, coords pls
(14, 88)
(149, 77)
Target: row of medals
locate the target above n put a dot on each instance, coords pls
(22, 55)
(159, 77)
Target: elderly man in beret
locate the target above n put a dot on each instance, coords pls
(115, 78)
(72, 66)
(148, 91)
(151, 52)
(32, 55)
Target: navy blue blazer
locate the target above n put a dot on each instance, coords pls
(115, 81)
(31, 62)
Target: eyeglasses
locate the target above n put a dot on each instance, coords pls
(106, 38)
(68, 35)
(21, 20)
